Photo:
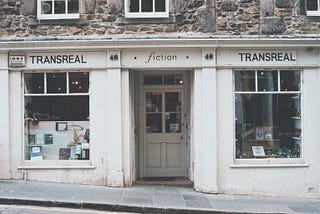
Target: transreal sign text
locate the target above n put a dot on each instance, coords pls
(268, 57)
(58, 59)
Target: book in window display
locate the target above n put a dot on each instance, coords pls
(35, 152)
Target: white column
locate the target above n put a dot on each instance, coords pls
(205, 126)
(114, 144)
(126, 128)
(4, 118)
(113, 137)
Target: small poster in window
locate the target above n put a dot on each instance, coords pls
(48, 138)
(258, 151)
(64, 153)
(259, 133)
(35, 153)
(39, 138)
(32, 139)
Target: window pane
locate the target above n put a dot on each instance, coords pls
(73, 6)
(173, 102)
(65, 108)
(56, 83)
(153, 102)
(290, 80)
(79, 82)
(134, 6)
(46, 7)
(173, 122)
(312, 5)
(173, 80)
(267, 80)
(160, 5)
(153, 80)
(245, 80)
(270, 123)
(60, 7)
(34, 83)
(146, 6)
(153, 123)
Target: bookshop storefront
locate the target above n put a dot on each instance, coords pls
(232, 120)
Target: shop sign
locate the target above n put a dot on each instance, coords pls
(66, 60)
(161, 58)
(17, 61)
(261, 57)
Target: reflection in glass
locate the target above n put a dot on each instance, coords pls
(173, 102)
(173, 122)
(153, 80)
(268, 80)
(60, 7)
(34, 83)
(79, 82)
(245, 80)
(57, 108)
(173, 80)
(146, 5)
(160, 5)
(134, 5)
(154, 123)
(56, 83)
(46, 7)
(290, 80)
(153, 102)
(312, 5)
(73, 6)
(270, 121)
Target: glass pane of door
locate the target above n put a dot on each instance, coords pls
(153, 112)
(173, 112)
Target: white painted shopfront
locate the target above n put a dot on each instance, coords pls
(233, 116)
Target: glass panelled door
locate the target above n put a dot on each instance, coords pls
(164, 148)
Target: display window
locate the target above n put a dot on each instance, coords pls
(268, 114)
(56, 116)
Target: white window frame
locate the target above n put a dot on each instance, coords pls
(268, 162)
(140, 14)
(56, 16)
(313, 12)
(53, 164)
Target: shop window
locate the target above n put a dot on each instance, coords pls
(313, 7)
(268, 114)
(56, 116)
(58, 9)
(147, 8)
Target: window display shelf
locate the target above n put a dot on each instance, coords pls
(296, 118)
(297, 138)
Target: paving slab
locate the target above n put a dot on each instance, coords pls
(146, 199)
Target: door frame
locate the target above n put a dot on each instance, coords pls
(185, 90)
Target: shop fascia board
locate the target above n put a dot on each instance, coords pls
(103, 43)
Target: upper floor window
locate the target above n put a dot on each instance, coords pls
(313, 8)
(58, 9)
(147, 8)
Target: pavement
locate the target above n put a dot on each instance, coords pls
(146, 199)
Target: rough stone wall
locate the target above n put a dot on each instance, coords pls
(187, 17)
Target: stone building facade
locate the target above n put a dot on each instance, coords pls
(220, 17)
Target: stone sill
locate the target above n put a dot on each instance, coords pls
(36, 22)
(123, 20)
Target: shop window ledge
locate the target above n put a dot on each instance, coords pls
(270, 165)
(30, 166)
